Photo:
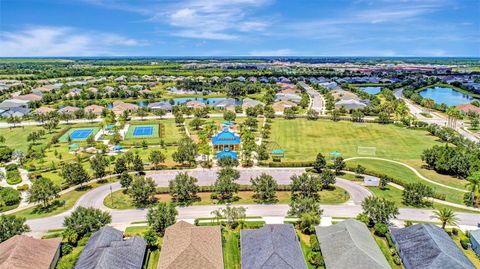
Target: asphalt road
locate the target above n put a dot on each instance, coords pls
(317, 98)
(351, 208)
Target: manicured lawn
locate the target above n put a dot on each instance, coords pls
(135, 230)
(16, 138)
(419, 165)
(406, 175)
(468, 252)
(70, 199)
(306, 248)
(393, 194)
(383, 245)
(231, 249)
(123, 201)
(165, 129)
(303, 139)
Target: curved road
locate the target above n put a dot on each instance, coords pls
(95, 197)
(351, 208)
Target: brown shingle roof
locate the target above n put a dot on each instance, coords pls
(94, 108)
(186, 246)
(29, 97)
(24, 252)
(44, 110)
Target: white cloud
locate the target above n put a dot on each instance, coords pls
(61, 41)
(279, 52)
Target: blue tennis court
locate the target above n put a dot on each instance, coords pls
(81, 133)
(143, 131)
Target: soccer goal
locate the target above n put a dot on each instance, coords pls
(369, 151)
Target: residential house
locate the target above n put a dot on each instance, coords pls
(161, 105)
(475, 241)
(252, 79)
(427, 246)
(92, 90)
(466, 108)
(14, 107)
(249, 102)
(288, 97)
(109, 89)
(120, 79)
(272, 246)
(31, 97)
(241, 79)
(186, 246)
(94, 109)
(195, 104)
(282, 105)
(25, 252)
(44, 110)
(107, 249)
(68, 110)
(349, 244)
(73, 92)
(350, 104)
(226, 104)
(119, 107)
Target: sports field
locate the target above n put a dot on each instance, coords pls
(303, 139)
(142, 131)
(79, 134)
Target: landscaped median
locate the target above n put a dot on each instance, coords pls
(121, 200)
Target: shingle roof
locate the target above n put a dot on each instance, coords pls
(426, 246)
(24, 252)
(273, 246)
(107, 249)
(349, 244)
(186, 246)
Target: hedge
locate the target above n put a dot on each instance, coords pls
(13, 177)
(211, 188)
(286, 164)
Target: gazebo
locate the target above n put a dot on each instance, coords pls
(335, 154)
(226, 153)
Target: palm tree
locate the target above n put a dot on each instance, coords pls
(446, 216)
(217, 214)
(474, 184)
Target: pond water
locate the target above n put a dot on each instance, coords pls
(371, 90)
(447, 96)
(207, 101)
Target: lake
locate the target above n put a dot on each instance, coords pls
(371, 90)
(447, 96)
(207, 101)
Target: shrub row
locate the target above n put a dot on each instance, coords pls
(286, 164)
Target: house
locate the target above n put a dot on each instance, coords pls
(241, 79)
(107, 249)
(288, 97)
(226, 104)
(466, 108)
(282, 105)
(68, 110)
(249, 102)
(15, 112)
(120, 79)
(109, 89)
(195, 104)
(160, 105)
(350, 104)
(44, 110)
(349, 244)
(31, 97)
(186, 246)
(426, 246)
(272, 246)
(475, 241)
(119, 107)
(25, 252)
(92, 90)
(11, 103)
(94, 109)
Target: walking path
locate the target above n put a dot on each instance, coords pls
(409, 167)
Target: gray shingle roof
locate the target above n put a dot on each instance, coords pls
(106, 249)
(426, 246)
(349, 244)
(273, 246)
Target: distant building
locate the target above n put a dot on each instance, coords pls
(107, 249)
(68, 110)
(44, 110)
(195, 104)
(282, 105)
(249, 102)
(119, 107)
(24, 252)
(160, 105)
(94, 109)
(350, 104)
(272, 246)
(426, 246)
(226, 104)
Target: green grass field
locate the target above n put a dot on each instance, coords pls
(402, 173)
(303, 139)
(231, 249)
(64, 137)
(131, 129)
(16, 138)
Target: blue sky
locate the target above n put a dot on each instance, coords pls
(240, 27)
